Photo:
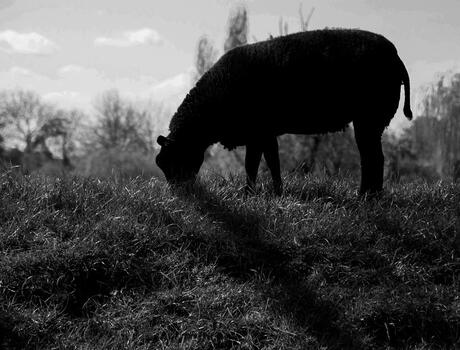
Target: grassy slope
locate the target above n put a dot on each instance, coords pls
(91, 264)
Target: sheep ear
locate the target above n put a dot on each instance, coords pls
(162, 141)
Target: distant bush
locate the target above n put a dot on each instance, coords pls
(53, 168)
(224, 162)
(118, 163)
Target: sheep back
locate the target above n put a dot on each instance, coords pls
(305, 83)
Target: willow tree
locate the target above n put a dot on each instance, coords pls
(437, 131)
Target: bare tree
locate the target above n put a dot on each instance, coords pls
(238, 27)
(120, 124)
(63, 129)
(37, 132)
(283, 26)
(121, 140)
(26, 118)
(304, 23)
(3, 123)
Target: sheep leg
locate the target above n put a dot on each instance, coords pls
(251, 163)
(369, 145)
(272, 158)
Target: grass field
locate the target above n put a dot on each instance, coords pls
(88, 264)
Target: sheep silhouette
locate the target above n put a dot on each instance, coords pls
(305, 83)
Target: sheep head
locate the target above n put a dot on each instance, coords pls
(179, 161)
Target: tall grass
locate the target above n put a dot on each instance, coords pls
(138, 265)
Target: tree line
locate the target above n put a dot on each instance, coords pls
(118, 137)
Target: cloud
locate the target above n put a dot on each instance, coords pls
(23, 78)
(76, 71)
(174, 87)
(26, 43)
(68, 99)
(6, 3)
(145, 36)
(20, 71)
(76, 86)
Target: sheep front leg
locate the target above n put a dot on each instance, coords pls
(251, 163)
(272, 158)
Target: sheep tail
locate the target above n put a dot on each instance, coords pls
(406, 82)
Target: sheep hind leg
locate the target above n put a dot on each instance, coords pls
(368, 140)
(272, 158)
(251, 163)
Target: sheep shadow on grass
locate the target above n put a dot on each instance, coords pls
(245, 250)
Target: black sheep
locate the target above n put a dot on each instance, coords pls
(305, 83)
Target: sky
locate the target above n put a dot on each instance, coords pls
(70, 51)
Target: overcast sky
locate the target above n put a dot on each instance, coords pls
(72, 50)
